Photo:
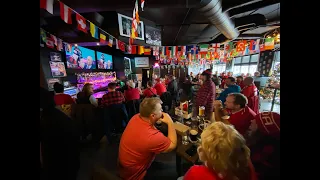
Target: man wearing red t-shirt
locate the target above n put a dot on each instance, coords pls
(240, 82)
(141, 141)
(60, 98)
(236, 107)
(150, 91)
(160, 88)
(132, 93)
(251, 92)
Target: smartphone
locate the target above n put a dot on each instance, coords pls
(192, 150)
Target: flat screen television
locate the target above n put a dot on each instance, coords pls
(80, 58)
(58, 69)
(104, 61)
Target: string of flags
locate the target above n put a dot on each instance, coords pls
(182, 55)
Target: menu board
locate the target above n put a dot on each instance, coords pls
(265, 63)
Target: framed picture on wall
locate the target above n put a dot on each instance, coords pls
(125, 23)
(153, 36)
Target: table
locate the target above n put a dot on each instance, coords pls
(181, 149)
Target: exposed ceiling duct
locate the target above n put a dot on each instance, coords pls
(212, 9)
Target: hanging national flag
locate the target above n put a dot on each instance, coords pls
(93, 30)
(140, 50)
(174, 50)
(168, 51)
(135, 23)
(261, 47)
(133, 49)
(60, 45)
(43, 35)
(82, 23)
(47, 5)
(269, 44)
(162, 51)
(204, 48)
(147, 50)
(110, 42)
(120, 45)
(54, 39)
(229, 47)
(142, 4)
(241, 45)
(155, 50)
(252, 45)
(50, 43)
(103, 38)
(256, 48)
(65, 13)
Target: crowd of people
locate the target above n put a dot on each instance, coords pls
(241, 143)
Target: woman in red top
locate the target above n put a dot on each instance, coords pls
(132, 93)
(160, 88)
(150, 91)
(240, 82)
(224, 154)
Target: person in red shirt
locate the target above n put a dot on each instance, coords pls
(160, 88)
(150, 91)
(251, 92)
(60, 98)
(240, 82)
(236, 107)
(112, 97)
(206, 94)
(141, 141)
(224, 154)
(132, 93)
(264, 143)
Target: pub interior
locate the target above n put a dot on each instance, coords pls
(159, 90)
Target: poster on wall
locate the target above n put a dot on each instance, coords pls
(54, 56)
(153, 36)
(58, 69)
(51, 81)
(125, 27)
(141, 61)
(265, 63)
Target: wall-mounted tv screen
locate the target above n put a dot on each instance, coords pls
(58, 69)
(80, 58)
(104, 61)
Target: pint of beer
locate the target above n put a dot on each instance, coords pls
(193, 135)
(201, 110)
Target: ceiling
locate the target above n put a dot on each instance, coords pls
(179, 20)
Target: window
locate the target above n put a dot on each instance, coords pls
(245, 64)
(236, 69)
(219, 67)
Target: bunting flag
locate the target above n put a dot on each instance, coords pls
(147, 50)
(110, 42)
(216, 47)
(54, 39)
(65, 13)
(269, 44)
(120, 45)
(82, 23)
(241, 45)
(43, 35)
(168, 51)
(94, 31)
(47, 5)
(49, 42)
(142, 4)
(162, 51)
(135, 22)
(140, 50)
(133, 49)
(155, 50)
(103, 38)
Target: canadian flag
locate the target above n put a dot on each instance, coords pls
(82, 23)
(65, 13)
(47, 5)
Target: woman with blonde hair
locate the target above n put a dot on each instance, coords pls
(224, 154)
(86, 95)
